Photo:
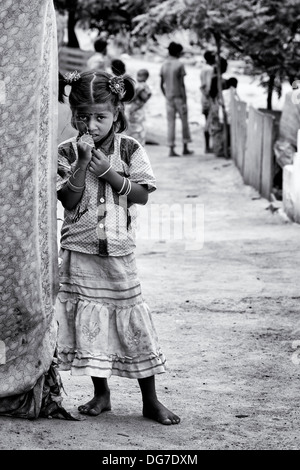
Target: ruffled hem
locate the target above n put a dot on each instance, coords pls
(105, 367)
(100, 339)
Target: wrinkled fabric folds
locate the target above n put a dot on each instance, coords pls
(28, 228)
(104, 325)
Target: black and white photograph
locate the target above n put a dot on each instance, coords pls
(149, 227)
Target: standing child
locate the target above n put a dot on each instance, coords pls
(105, 327)
(231, 89)
(99, 60)
(172, 85)
(205, 82)
(136, 109)
(214, 125)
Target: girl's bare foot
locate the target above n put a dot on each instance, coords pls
(158, 412)
(96, 405)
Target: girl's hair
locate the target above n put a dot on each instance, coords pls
(98, 87)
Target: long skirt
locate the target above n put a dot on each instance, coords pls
(104, 326)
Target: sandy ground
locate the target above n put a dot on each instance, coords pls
(223, 287)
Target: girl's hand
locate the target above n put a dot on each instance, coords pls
(84, 152)
(99, 163)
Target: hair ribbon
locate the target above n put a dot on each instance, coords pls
(116, 85)
(71, 77)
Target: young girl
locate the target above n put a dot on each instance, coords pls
(105, 327)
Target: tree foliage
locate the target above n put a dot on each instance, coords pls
(108, 15)
(266, 32)
(162, 17)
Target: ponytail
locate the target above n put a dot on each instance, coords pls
(63, 81)
(129, 86)
(125, 95)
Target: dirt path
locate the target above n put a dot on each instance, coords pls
(227, 314)
(228, 320)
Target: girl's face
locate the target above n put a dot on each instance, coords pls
(96, 119)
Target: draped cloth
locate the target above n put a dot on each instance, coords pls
(29, 382)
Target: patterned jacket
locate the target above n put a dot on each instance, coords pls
(102, 223)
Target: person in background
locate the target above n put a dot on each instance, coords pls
(214, 91)
(136, 109)
(205, 82)
(230, 88)
(99, 60)
(105, 326)
(214, 124)
(172, 84)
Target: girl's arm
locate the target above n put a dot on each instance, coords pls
(138, 193)
(99, 165)
(135, 106)
(144, 95)
(72, 191)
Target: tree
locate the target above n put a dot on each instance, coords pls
(69, 6)
(265, 32)
(105, 15)
(169, 15)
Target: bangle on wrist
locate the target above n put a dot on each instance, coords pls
(121, 190)
(78, 169)
(126, 187)
(75, 189)
(106, 171)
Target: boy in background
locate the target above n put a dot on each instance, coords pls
(173, 87)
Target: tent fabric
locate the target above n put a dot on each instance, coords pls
(28, 217)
